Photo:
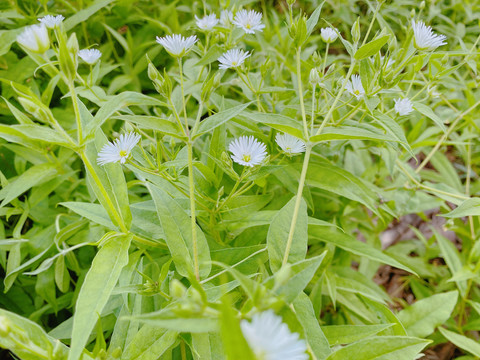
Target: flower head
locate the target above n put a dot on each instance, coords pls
(290, 144)
(271, 339)
(403, 106)
(207, 23)
(355, 87)
(118, 150)
(90, 56)
(329, 34)
(51, 21)
(176, 44)
(250, 21)
(226, 18)
(35, 38)
(425, 38)
(247, 151)
(232, 58)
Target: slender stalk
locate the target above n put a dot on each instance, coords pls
(312, 117)
(191, 187)
(300, 93)
(298, 201)
(183, 97)
(76, 109)
(444, 137)
(325, 58)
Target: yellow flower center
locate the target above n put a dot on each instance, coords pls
(246, 158)
(356, 92)
(248, 26)
(123, 153)
(234, 63)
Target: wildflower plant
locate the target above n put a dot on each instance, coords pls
(266, 180)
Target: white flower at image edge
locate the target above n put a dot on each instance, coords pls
(271, 339)
(35, 38)
(403, 106)
(355, 87)
(207, 23)
(176, 44)
(232, 58)
(328, 35)
(90, 56)
(118, 150)
(290, 144)
(247, 151)
(51, 21)
(425, 38)
(250, 21)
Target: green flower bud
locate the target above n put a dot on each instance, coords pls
(38, 110)
(298, 31)
(314, 77)
(356, 31)
(177, 289)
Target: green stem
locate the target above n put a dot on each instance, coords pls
(300, 93)
(325, 59)
(312, 119)
(105, 195)
(76, 109)
(192, 209)
(298, 201)
(183, 97)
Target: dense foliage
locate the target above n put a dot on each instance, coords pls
(278, 180)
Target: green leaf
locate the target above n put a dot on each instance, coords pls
(84, 14)
(371, 48)
(165, 319)
(425, 315)
(278, 122)
(470, 207)
(350, 133)
(428, 112)
(176, 225)
(315, 337)
(219, 118)
(34, 176)
(212, 55)
(96, 289)
(313, 19)
(354, 246)
(332, 178)
(347, 334)
(149, 343)
(381, 348)
(164, 126)
(278, 234)
(463, 342)
(93, 212)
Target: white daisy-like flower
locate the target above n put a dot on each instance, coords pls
(247, 151)
(290, 144)
(35, 38)
(329, 34)
(90, 56)
(271, 339)
(226, 18)
(355, 87)
(207, 23)
(232, 58)
(177, 45)
(118, 150)
(51, 21)
(425, 38)
(250, 21)
(403, 106)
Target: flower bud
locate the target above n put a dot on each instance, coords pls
(298, 31)
(35, 38)
(282, 275)
(317, 59)
(39, 111)
(356, 31)
(68, 55)
(177, 289)
(422, 5)
(290, 2)
(162, 84)
(209, 86)
(314, 77)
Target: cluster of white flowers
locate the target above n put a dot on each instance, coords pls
(207, 23)
(233, 58)
(177, 45)
(271, 339)
(403, 106)
(51, 21)
(248, 20)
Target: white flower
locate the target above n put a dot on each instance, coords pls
(51, 21)
(403, 106)
(176, 44)
(271, 339)
(232, 58)
(290, 144)
(328, 35)
(207, 23)
(425, 38)
(432, 91)
(247, 151)
(250, 21)
(355, 87)
(90, 56)
(226, 18)
(35, 38)
(118, 150)
(390, 62)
